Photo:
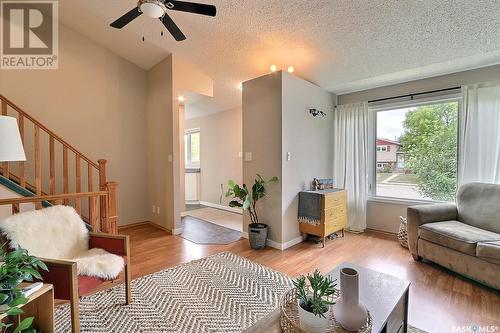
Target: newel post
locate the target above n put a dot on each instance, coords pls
(112, 227)
(103, 207)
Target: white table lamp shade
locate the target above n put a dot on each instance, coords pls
(11, 145)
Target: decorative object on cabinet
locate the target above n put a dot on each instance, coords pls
(325, 184)
(322, 212)
(315, 184)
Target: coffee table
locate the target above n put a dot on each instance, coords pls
(385, 296)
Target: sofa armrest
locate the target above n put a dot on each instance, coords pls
(62, 274)
(116, 244)
(418, 215)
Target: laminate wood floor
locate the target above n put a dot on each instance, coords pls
(439, 300)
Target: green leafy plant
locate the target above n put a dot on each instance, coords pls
(429, 143)
(16, 267)
(313, 294)
(247, 200)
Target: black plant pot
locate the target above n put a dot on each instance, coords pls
(257, 235)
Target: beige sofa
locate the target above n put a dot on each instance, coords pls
(465, 237)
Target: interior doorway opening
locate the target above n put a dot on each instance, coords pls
(212, 155)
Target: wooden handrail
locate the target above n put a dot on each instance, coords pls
(52, 197)
(45, 129)
(101, 208)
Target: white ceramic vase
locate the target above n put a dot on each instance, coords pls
(312, 323)
(348, 311)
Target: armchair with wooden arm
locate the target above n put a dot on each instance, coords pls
(68, 285)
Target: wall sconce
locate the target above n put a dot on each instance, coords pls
(316, 112)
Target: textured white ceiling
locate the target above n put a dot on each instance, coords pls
(341, 45)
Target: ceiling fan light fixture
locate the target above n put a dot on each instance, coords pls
(152, 9)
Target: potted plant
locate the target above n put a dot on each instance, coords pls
(314, 298)
(16, 267)
(257, 232)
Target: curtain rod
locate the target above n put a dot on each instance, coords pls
(412, 95)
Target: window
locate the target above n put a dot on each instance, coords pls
(416, 151)
(192, 148)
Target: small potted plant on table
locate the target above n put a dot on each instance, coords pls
(257, 232)
(16, 267)
(314, 298)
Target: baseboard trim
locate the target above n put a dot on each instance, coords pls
(131, 225)
(229, 209)
(276, 245)
(382, 232)
(172, 232)
(292, 242)
(176, 231)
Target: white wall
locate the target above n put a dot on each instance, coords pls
(276, 120)
(310, 143)
(160, 143)
(221, 142)
(262, 105)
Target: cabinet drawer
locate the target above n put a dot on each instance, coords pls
(335, 224)
(335, 211)
(334, 199)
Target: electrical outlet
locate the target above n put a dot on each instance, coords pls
(158, 210)
(154, 209)
(288, 156)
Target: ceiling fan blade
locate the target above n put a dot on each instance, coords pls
(191, 7)
(172, 28)
(126, 19)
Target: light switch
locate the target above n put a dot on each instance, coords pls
(158, 210)
(248, 156)
(288, 156)
(154, 209)
(170, 158)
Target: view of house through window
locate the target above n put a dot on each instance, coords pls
(416, 153)
(192, 148)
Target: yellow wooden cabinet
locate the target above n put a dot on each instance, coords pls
(323, 212)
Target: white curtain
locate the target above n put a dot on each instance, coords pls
(479, 139)
(350, 132)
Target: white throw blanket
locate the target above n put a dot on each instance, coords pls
(58, 232)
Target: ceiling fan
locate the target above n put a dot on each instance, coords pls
(158, 9)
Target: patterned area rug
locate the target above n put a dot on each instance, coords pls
(203, 232)
(220, 293)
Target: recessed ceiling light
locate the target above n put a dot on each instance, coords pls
(181, 98)
(274, 68)
(291, 69)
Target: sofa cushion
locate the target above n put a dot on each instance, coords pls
(456, 235)
(489, 251)
(478, 206)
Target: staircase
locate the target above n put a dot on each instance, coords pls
(70, 179)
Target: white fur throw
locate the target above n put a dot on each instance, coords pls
(58, 232)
